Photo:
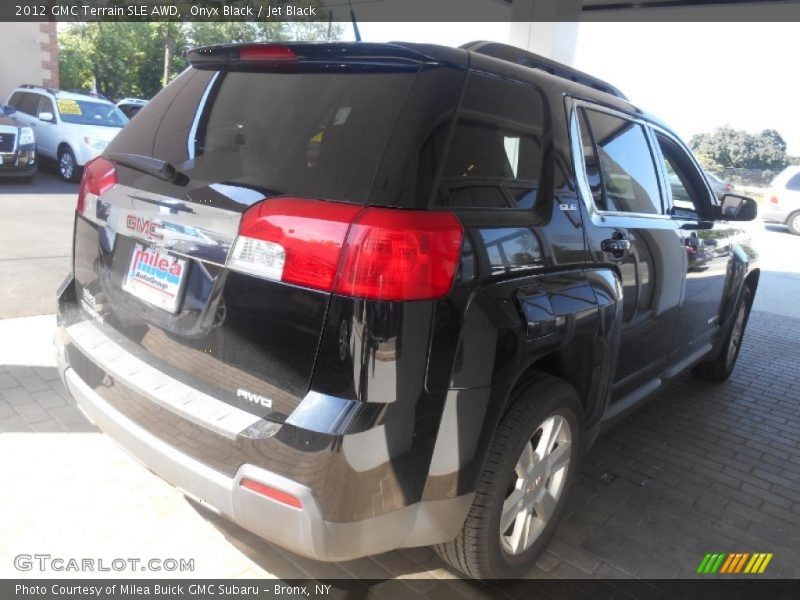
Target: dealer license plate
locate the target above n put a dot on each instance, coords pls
(155, 277)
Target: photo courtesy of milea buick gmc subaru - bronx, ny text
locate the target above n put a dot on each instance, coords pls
(71, 128)
(358, 297)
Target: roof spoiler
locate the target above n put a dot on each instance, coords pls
(535, 61)
(292, 55)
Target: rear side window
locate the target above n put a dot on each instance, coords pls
(495, 155)
(619, 164)
(318, 135)
(794, 183)
(27, 103)
(15, 100)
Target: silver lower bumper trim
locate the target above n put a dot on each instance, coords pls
(303, 531)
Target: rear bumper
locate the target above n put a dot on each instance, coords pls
(304, 530)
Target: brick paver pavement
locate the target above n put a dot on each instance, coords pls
(701, 468)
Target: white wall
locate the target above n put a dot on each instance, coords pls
(28, 56)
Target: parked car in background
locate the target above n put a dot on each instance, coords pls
(131, 106)
(17, 147)
(783, 199)
(720, 187)
(70, 128)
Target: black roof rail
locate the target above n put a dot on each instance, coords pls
(33, 86)
(535, 61)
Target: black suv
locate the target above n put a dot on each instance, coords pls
(359, 297)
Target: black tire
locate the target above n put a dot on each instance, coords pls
(721, 367)
(793, 223)
(477, 551)
(66, 157)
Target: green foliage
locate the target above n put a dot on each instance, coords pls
(127, 59)
(728, 147)
(708, 163)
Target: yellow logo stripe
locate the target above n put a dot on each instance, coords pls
(764, 564)
(753, 564)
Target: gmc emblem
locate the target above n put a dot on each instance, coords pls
(144, 226)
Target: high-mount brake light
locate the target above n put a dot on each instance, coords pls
(370, 253)
(267, 52)
(99, 175)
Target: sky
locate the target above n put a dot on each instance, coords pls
(693, 76)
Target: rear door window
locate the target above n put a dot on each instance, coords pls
(15, 100)
(45, 106)
(619, 164)
(28, 103)
(495, 155)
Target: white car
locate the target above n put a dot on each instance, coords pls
(782, 199)
(71, 128)
(131, 106)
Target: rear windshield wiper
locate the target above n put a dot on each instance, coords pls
(158, 168)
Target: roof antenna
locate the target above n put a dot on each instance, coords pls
(355, 23)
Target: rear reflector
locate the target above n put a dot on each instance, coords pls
(99, 175)
(271, 493)
(266, 52)
(371, 253)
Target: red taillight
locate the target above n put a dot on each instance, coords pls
(267, 52)
(99, 175)
(371, 253)
(728, 187)
(773, 200)
(400, 255)
(271, 493)
(293, 240)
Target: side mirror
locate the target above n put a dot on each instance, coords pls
(47, 117)
(9, 110)
(737, 208)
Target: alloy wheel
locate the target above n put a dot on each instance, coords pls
(541, 472)
(736, 334)
(67, 165)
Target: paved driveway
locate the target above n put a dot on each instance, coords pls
(701, 468)
(35, 243)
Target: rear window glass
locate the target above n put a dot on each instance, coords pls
(495, 155)
(794, 183)
(320, 135)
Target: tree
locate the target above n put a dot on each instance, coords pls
(205, 33)
(74, 58)
(728, 147)
(139, 58)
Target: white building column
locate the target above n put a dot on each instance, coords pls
(546, 27)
